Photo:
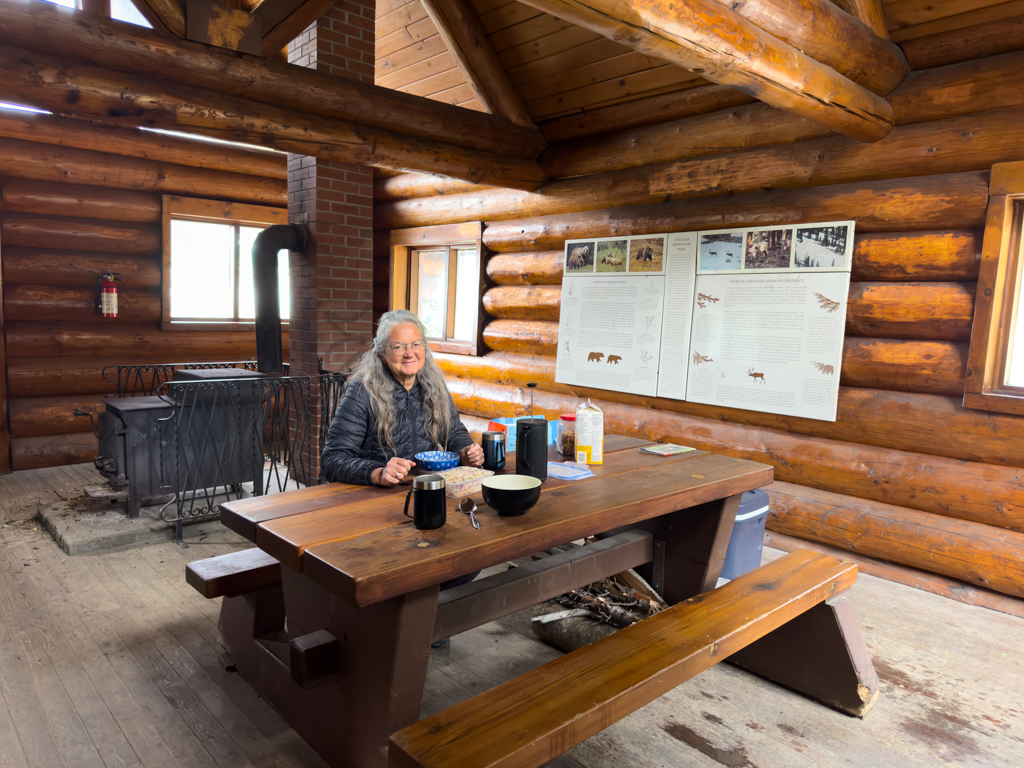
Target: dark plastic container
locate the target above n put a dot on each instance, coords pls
(747, 541)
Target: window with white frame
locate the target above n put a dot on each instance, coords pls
(436, 273)
(208, 261)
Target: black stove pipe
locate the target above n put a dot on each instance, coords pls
(269, 351)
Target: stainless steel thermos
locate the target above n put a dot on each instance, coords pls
(493, 444)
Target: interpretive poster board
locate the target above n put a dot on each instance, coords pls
(749, 318)
(609, 331)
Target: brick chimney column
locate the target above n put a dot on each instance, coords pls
(332, 283)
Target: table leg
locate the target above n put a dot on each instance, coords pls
(695, 543)
(384, 652)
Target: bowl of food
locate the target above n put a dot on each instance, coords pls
(510, 495)
(436, 461)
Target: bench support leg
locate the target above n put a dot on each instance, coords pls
(820, 653)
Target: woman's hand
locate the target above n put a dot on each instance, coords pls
(395, 471)
(471, 456)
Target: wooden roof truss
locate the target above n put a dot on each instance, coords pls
(260, 27)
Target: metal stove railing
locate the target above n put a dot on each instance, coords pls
(144, 380)
(233, 438)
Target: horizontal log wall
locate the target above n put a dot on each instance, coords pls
(905, 473)
(69, 212)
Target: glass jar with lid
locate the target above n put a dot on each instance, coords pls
(566, 435)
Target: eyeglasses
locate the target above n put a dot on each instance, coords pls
(415, 346)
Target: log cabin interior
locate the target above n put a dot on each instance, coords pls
(439, 154)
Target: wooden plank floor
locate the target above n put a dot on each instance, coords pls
(112, 660)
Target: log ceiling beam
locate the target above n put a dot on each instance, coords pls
(171, 14)
(113, 45)
(280, 29)
(868, 11)
(461, 30)
(847, 42)
(724, 47)
(46, 81)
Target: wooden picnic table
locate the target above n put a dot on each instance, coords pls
(360, 584)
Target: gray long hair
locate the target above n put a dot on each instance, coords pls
(373, 373)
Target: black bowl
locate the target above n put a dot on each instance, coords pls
(510, 495)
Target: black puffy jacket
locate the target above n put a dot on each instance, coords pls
(352, 451)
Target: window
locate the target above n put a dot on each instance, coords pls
(120, 10)
(435, 272)
(995, 367)
(208, 264)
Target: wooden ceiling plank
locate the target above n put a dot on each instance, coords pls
(413, 54)
(442, 81)
(675, 105)
(435, 65)
(623, 99)
(637, 85)
(717, 42)
(127, 48)
(578, 56)
(403, 38)
(454, 95)
(170, 13)
(399, 19)
(906, 13)
(384, 7)
(472, 104)
(960, 21)
(292, 26)
(563, 40)
(506, 16)
(486, 6)
(980, 40)
(527, 31)
(458, 24)
(628, 63)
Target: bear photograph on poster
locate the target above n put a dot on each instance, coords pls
(612, 255)
(647, 254)
(579, 257)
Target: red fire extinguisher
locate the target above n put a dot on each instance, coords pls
(108, 293)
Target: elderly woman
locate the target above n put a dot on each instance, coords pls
(395, 406)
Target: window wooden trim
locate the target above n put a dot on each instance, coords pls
(403, 275)
(175, 207)
(998, 281)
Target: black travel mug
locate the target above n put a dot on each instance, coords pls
(429, 508)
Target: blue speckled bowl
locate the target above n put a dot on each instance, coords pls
(437, 461)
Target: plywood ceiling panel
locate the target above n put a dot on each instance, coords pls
(407, 57)
(998, 12)
(506, 16)
(649, 82)
(906, 13)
